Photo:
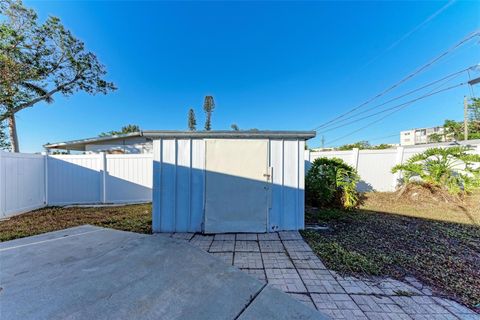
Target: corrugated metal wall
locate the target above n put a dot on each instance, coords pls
(179, 185)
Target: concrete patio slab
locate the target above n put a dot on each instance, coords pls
(271, 304)
(95, 273)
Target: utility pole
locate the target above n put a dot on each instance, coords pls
(465, 118)
(471, 83)
(323, 142)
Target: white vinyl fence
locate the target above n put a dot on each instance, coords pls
(29, 181)
(22, 183)
(374, 166)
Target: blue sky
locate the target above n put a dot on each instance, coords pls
(269, 65)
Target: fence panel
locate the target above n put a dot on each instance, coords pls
(128, 178)
(374, 166)
(22, 183)
(74, 179)
(346, 156)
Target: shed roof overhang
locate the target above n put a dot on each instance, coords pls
(247, 134)
(80, 144)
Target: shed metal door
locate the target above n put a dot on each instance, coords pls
(236, 185)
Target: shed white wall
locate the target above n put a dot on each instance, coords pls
(179, 185)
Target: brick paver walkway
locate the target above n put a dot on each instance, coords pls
(285, 261)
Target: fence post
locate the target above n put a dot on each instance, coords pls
(45, 177)
(307, 155)
(156, 184)
(398, 160)
(355, 154)
(103, 180)
(306, 161)
(2, 188)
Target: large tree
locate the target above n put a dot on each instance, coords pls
(208, 106)
(4, 143)
(474, 121)
(453, 130)
(39, 60)
(474, 109)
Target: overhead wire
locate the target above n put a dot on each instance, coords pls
(412, 31)
(398, 108)
(452, 75)
(405, 79)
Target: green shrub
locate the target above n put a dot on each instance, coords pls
(452, 169)
(331, 182)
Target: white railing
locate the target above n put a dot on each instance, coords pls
(374, 166)
(31, 181)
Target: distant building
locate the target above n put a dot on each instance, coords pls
(421, 136)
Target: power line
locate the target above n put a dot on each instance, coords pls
(409, 33)
(472, 92)
(452, 75)
(394, 107)
(408, 77)
(403, 106)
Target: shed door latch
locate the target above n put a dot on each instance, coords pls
(269, 174)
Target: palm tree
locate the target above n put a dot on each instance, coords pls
(208, 106)
(192, 122)
(453, 169)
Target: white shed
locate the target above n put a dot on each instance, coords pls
(228, 181)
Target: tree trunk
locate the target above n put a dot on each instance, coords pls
(12, 129)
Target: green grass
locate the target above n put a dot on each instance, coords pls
(442, 254)
(135, 218)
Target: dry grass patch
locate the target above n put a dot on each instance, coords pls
(426, 203)
(135, 218)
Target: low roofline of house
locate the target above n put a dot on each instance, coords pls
(231, 134)
(304, 135)
(61, 145)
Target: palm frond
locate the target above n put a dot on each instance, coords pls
(451, 168)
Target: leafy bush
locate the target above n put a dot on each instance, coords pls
(331, 182)
(452, 169)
